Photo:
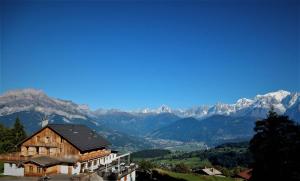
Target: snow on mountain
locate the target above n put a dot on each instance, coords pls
(221, 109)
(243, 103)
(272, 99)
(37, 100)
(258, 107)
(162, 109)
(197, 112)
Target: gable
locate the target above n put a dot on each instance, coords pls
(79, 136)
(48, 137)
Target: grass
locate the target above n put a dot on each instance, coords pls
(191, 162)
(194, 177)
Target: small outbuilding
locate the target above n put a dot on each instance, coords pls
(210, 171)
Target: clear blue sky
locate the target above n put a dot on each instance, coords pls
(133, 54)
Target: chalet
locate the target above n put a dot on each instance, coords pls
(59, 149)
(209, 171)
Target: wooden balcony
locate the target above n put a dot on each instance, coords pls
(16, 156)
(13, 157)
(94, 155)
(42, 144)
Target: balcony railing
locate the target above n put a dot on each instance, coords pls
(95, 154)
(15, 156)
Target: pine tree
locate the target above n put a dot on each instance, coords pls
(275, 148)
(5, 143)
(18, 132)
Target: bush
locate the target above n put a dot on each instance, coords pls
(145, 165)
(181, 168)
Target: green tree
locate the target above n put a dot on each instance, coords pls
(275, 148)
(9, 138)
(18, 132)
(145, 165)
(182, 168)
(5, 139)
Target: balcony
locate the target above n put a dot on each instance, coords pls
(13, 157)
(94, 155)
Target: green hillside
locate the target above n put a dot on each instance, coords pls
(194, 177)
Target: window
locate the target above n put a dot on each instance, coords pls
(82, 167)
(95, 162)
(39, 170)
(89, 164)
(31, 169)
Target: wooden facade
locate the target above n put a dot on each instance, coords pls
(50, 144)
(47, 142)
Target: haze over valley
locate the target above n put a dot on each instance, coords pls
(164, 127)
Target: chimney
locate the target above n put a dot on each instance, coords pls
(44, 122)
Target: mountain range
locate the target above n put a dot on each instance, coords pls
(128, 129)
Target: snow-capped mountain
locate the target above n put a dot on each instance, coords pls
(36, 100)
(162, 109)
(31, 105)
(32, 99)
(280, 100)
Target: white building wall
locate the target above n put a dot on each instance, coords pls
(133, 176)
(99, 161)
(12, 169)
(102, 160)
(129, 177)
(108, 160)
(114, 155)
(111, 157)
(76, 170)
(95, 166)
(64, 169)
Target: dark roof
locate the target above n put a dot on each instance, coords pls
(44, 161)
(80, 136)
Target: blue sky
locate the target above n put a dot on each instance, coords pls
(133, 54)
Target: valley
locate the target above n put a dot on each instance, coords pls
(189, 129)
